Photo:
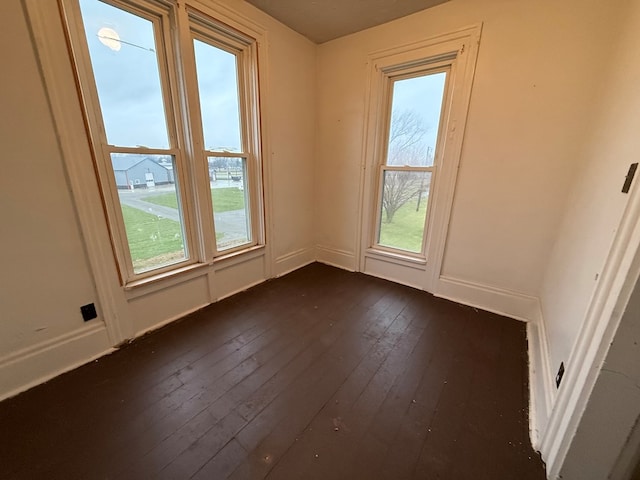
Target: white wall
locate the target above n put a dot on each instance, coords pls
(292, 130)
(45, 261)
(596, 203)
(589, 447)
(45, 273)
(538, 69)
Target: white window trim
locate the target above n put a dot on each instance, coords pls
(459, 49)
(391, 75)
(246, 52)
(185, 130)
(63, 95)
(103, 149)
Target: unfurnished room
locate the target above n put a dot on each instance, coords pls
(337, 239)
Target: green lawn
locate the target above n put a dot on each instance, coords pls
(224, 199)
(406, 229)
(152, 240)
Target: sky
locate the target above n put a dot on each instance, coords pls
(422, 96)
(129, 88)
(130, 92)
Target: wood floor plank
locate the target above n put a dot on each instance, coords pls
(320, 374)
(338, 427)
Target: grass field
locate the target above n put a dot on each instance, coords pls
(153, 241)
(406, 230)
(224, 199)
(157, 241)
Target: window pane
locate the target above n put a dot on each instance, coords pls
(405, 196)
(125, 65)
(151, 209)
(415, 117)
(230, 199)
(219, 101)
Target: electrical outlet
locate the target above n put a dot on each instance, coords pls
(88, 312)
(560, 375)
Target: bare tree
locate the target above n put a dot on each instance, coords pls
(406, 139)
(399, 188)
(406, 148)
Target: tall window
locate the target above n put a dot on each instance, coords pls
(408, 168)
(175, 129)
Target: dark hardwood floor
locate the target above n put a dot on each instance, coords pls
(321, 374)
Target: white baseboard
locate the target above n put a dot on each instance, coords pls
(32, 366)
(336, 258)
(492, 299)
(541, 388)
(293, 261)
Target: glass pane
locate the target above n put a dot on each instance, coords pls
(125, 65)
(405, 196)
(229, 194)
(151, 209)
(219, 101)
(415, 118)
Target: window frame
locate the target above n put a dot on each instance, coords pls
(389, 77)
(458, 48)
(245, 50)
(174, 24)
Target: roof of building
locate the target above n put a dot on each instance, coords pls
(127, 162)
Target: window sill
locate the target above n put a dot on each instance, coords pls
(154, 279)
(167, 279)
(407, 260)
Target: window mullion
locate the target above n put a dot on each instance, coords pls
(194, 147)
(181, 142)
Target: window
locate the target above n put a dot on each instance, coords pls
(408, 167)
(171, 101)
(418, 100)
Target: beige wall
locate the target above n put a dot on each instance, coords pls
(537, 71)
(585, 237)
(596, 203)
(45, 273)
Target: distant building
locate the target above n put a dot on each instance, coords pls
(133, 171)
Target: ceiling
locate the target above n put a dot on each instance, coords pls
(324, 20)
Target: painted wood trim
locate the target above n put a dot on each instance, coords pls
(498, 300)
(294, 260)
(22, 370)
(541, 387)
(336, 258)
(460, 48)
(59, 82)
(619, 276)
